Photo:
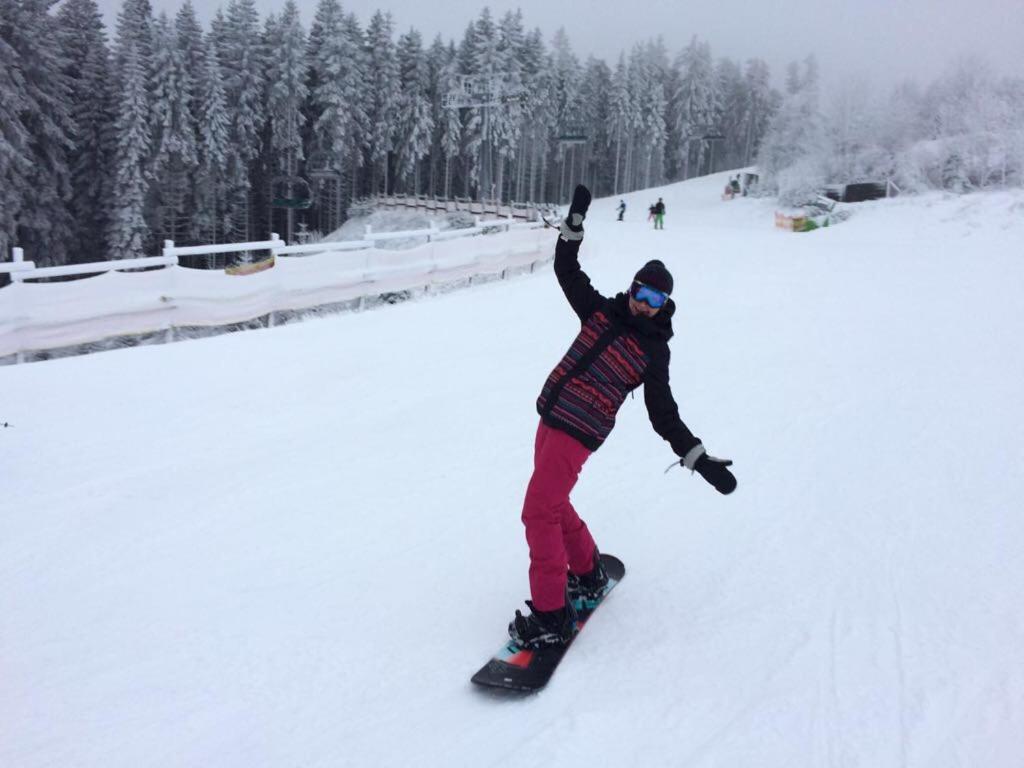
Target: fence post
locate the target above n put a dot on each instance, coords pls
(169, 251)
(18, 256)
(275, 243)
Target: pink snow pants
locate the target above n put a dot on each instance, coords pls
(554, 532)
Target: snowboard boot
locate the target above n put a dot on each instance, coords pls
(586, 589)
(543, 628)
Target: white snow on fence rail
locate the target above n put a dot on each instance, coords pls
(519, 210)
(41, 316)
(323, 247)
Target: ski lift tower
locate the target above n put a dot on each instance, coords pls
(571, 137)
(483, 92)
(292, 193)
(324, 169)
(712, 138)
(710, 135)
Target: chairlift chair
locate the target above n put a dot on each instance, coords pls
(291, 192)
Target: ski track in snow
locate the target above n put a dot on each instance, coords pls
(293, 546)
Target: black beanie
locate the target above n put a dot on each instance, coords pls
(654, 274)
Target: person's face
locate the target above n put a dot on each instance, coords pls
(642, 308)
(642, 297)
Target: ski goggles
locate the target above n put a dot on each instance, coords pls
(651, 296)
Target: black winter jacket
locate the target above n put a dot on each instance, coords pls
(613, 354)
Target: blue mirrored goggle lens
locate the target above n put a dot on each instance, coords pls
(653, 297)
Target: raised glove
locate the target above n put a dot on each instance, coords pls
(572, 227)
(716, 472)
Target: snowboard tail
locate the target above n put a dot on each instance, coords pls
(516, 668)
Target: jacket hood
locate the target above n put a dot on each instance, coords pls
(657, 327)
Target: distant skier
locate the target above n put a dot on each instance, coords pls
(622, 344)
(659, 214)
(650, 212)
(622, 209)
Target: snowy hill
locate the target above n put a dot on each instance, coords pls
(293, 546)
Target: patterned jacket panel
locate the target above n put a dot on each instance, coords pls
(588, 386)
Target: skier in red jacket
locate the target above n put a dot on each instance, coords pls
(623, 343)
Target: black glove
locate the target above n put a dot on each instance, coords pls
(716, 472)
(572, 227)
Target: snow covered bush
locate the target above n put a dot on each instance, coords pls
(800, 182)
(361, 208)
(460, 220)
(964, 132)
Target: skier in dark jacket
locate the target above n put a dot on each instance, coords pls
(659, 214)
(623, 343)
(622, 209)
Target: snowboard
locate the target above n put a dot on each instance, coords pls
(515, 668)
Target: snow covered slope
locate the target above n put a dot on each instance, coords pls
(292, 547)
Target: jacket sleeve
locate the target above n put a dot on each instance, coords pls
(662, 408)
(583, 297)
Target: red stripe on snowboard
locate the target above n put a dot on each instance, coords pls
(520, 659)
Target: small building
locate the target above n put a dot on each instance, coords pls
(856, 193)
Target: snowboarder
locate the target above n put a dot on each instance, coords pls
(622, 344)
(622, 209)
(659, 214)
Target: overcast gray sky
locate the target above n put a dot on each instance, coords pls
(882, 40)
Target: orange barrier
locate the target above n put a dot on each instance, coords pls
(790, 223)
